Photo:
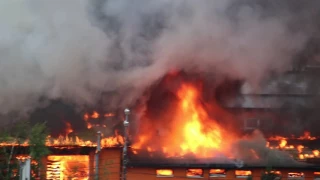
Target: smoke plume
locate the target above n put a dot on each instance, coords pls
(79, 50)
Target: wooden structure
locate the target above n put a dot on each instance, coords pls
(110, 167)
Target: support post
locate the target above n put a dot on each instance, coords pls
(25, 167)
(96, 171)
(125, 146)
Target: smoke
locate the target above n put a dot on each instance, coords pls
(252, 149)
(78, 51)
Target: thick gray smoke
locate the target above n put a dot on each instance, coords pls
(78, 50)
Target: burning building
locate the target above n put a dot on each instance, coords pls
(217, 89)
(186, 129)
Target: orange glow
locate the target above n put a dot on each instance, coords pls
(108, 115)
(274, 172)
(68, 167)
(277, 138)
(194, 173)
(300, 148)
(68, 128)
(307, 136)
(301, 156)
(89, 125)
(194, 136)
(95, 115)
(192, 130)
(112, 141)
(316, 153)
(268, 144)
(316, 173)
(283, 143)
(23, 158)
(295, 174)
(217, 172)
(164, 172)
(86, 117)
(243, 173)
(116, 140)
(254, 153)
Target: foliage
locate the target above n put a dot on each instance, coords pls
(17, 134)
(37, 141)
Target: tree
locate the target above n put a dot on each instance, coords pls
(38, 148)
(15, 136)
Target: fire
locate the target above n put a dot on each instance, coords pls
(95, 115)
(192, 130)
(184, 127)
(117, 140)
(69, 128)
(68, 167)
(300, 148)
(283, 143)
(194, 173)
(67, 140)
(217, 171)
(113, 141)
(108, 115)
(296, 174)
(195, 138)
(164, 172)
(307, 136)
(243, 173)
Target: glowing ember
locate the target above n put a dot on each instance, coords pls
(194, 173)
(274, 172)
(283, 143)
(243, 173)
(109, 115)
(95, 115)
(300, 148)
(217, 173)
(307, 136)
(164, 172)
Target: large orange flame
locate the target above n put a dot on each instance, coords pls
(192, 130)
(196, 135)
